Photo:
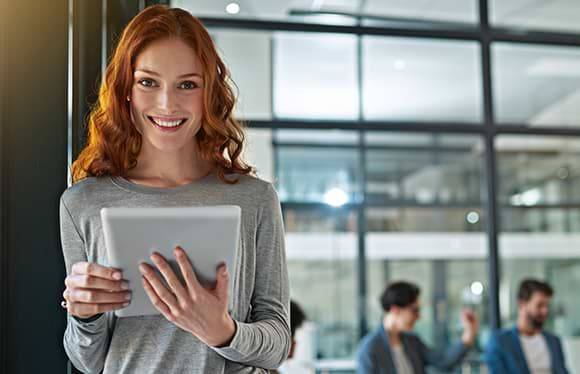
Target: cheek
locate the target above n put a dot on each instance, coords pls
(193, 102)
(141, 100)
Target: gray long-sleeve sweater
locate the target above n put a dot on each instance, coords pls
(151, 344)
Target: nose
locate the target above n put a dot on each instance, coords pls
(166, 100)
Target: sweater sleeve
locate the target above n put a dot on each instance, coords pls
(86, 343)
(265, 340)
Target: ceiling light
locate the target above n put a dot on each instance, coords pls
(472, 217)
(335, 197)
(477, 288)
(232, 8)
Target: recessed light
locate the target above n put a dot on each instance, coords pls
(232, 8)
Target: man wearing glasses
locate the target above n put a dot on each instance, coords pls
(393, 348)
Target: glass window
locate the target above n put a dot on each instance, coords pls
(536, 85)
(321, 248)
(448, 11)
(317, 172)
(538, 171)
(555, 15)
(259, 152)
(539, 180)
(426, 224)
(424, 170)
(315, 76)
(247, 54)
(338, 12)
(408, 79)
(320, 137)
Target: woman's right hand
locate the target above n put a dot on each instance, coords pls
(92, 289)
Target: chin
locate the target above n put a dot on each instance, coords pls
(167, 147)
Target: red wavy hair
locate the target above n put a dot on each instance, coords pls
(113, 142)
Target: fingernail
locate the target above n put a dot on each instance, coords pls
(125, 285)
(125, 304)
(142, 268)
(128, 296)
(117, 275)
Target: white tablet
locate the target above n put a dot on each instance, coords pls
(209, 235)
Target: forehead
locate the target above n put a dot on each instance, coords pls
(168, 56)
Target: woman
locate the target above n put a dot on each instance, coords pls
(162, 134)
(393, 348)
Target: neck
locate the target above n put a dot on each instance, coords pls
(526, 328)
(169, 169)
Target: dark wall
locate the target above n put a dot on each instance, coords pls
(33, 148)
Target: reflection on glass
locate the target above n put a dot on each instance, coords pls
(554, 15)
(424, 169)
(300, 11)
(321, 249)
(563, 274)
(421, 80)
(460, 11)
(425, 224)
(538, 194)
(538, 170)
(308, 174)
(315, 76)
(259, 153)
(333, 12)
(448, 285)
(402, 219)
(536, 85)
(331, 137)
(247, 56)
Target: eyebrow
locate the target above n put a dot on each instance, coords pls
(157, 74)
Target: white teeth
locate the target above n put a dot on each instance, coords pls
(167, 123)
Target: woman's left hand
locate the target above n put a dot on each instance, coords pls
(203, 312)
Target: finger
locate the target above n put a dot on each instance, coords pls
(90, 281)
(169, 276)
(156, 300)
(92, 268)
(222, 285)
(89, 296)
(160, 290)
(187, 272)
(83, 310)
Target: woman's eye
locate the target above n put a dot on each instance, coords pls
(188, 85)
(146, 82)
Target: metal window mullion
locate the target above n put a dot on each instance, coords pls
(491, 207)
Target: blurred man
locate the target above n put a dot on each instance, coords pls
(526, 348)
(393, 348)
(297, 318)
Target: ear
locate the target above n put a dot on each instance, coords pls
(292, 348)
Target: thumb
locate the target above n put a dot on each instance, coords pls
(223, 280)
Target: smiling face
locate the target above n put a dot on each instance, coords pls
(407, 317)
(167, 96)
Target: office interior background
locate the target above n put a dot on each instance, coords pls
(434, 141)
